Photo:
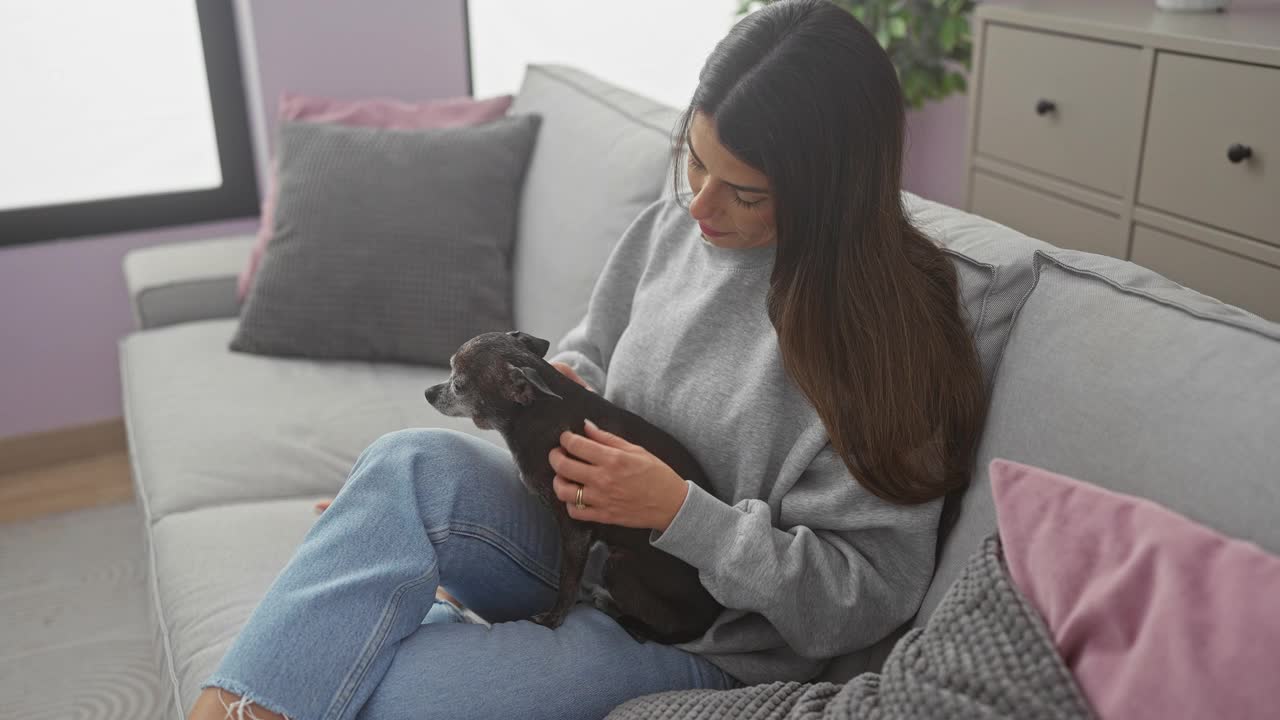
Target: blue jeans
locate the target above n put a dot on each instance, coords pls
(350, 628)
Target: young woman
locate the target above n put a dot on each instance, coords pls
(785, 321)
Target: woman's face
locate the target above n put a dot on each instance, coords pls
(731, 199)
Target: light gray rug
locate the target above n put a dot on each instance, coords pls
(73, 634)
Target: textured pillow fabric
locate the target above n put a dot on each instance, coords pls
(1156, 615)
(373, 112)
(389, 245)
(985, 654)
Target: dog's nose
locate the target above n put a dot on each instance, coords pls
(431, 393)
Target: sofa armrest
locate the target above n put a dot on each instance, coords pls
(185, 281)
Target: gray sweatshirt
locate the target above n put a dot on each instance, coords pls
(808, 564)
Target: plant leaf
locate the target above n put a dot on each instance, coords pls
(949, 33)
(925, 39)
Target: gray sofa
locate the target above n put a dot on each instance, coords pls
(1100, 370)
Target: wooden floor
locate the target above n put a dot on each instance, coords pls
(89, 482)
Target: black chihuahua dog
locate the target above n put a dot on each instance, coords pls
(501, 381)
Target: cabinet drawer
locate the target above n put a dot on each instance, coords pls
(1045, 217)
(1199, 108)
(1236, 280)
(1091, 134)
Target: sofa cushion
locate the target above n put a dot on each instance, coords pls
(207, 426)
(207, 571)
(994, 266)
(1114, 374)
(602, 156)
(388, 245)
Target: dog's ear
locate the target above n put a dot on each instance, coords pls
(525, 384)
(536, 344)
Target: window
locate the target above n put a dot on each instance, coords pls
(120, 116)
(654, 48)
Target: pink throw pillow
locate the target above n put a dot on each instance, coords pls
(386, 113)
(1156, 615)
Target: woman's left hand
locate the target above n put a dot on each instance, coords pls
(622, 483)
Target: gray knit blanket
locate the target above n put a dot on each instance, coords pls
(984, 653)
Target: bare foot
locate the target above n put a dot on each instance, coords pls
(323, 505)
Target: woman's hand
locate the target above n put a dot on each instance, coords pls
(569, 373)
(622, 483)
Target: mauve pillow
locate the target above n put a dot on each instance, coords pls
(1156, 615)
(372, 112)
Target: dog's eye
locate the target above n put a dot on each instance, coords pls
(458, 384)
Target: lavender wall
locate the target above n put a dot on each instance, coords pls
(934, 163)
(63, 305)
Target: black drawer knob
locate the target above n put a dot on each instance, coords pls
(1237, 152)
(1045, 106)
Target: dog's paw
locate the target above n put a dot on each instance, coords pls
(548, 619)
(603, 601)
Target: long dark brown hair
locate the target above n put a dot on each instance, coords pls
(865, 306)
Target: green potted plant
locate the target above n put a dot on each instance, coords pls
(928, 40)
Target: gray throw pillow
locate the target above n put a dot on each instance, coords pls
(388, 245)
